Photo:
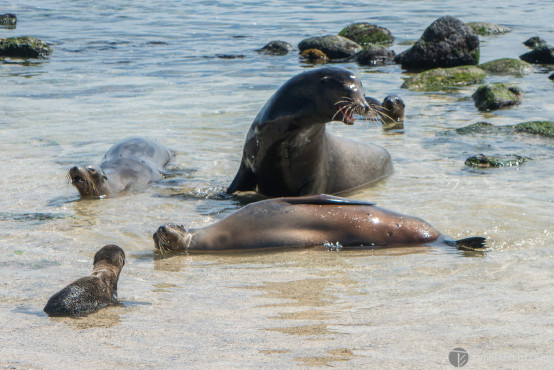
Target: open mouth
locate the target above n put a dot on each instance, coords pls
(347, 113)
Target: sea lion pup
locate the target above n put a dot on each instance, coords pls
(391, 111)
(288, 152)
(93, 292)
(305, 222)
(131, 163)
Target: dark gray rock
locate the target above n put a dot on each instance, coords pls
(543, 54)
(534, 41)
(8, 20)
(373, 55)
(367, 33)
(447, 42)
(335, 47)
(496, 96)
(276, 48)
(24, 47)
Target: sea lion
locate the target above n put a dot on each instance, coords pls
(131, 163)
(288, 152)
(391, 111)
(93, 292)
(305, 222)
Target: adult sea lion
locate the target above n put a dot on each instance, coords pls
(305, 222)
(288, 152)
(391, 111)
(93, 292)
(131, 163)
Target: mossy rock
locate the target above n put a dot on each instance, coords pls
(276, 48)
(367, 33)
(488, 29)
(542, 54)
(485, 161)
(374, 55)
(484, 128)
(496, 96)
(543, 128)
(551, 77)
(24, 47)
(443, 78)
(508, 66)
(335, 47)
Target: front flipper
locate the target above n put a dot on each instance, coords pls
(324, 199)
(245, 180)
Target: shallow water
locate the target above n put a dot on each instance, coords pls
(150, 68)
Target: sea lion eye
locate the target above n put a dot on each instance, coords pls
(91, 169)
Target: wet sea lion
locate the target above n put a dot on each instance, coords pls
(288, 152)
(131, 163)
(391, 111)
(93, 292)
(305, 222)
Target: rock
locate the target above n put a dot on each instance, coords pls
(8, 20)
(23, 47)
(335, 47)
(551, 77)
(496, 96)
(442, 78)
(374, 55)
(543, 54)
(508, 66)
(485, 161)
(543, 128)
(534, 41)
(314, 56)
(488, 29)
(276, 48)
(447, 42)
(367, 33)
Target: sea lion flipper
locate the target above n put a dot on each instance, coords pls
(324, 199)
(469, 244)
(245, 180)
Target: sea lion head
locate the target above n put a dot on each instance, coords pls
(90, 181)
(171, 237)
(393, 108)
(111, 254)
(318, 96)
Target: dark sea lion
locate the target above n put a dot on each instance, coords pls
(129, 164)
(288, 152)
(93, 292)
(305, 222)
(391, 111)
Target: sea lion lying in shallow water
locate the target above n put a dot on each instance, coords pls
(288, 151)
(132, 163)
(306, 222)
(93, 292)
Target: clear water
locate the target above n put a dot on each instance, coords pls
(122, 68)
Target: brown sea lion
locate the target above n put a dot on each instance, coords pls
(93, 292)
(288, 152)
(306, 222)
(132, 163)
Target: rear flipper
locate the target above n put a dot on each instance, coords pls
(468, 244)
(245, 180)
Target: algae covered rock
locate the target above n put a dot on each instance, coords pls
(442, 78)
(367, 33)
(542, 54)
(373, 55)
(496, 96)
(508, 66)
(543, 128)
(488, 29)
(8, 20)
(447, 42)
(485, 161)
(24, 47)
(276, 48)
(335, 47)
